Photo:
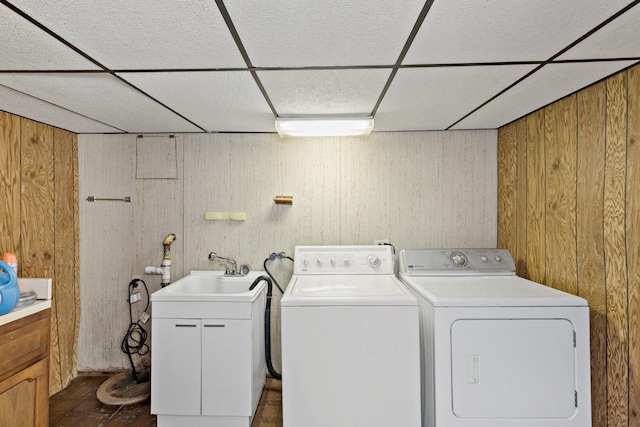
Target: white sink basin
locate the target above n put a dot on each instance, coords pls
(211, 286)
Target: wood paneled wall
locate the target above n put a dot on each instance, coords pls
(569, 211)
(39, 216)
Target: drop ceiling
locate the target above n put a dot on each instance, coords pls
(123, 66)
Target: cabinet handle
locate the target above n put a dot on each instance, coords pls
(214, 326)
(179, 325)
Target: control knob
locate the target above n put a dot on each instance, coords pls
(458, 259)
(374, 261)
(498, 258)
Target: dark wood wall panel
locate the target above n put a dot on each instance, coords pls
(583, 224)
(38, 174)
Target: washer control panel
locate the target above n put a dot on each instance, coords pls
(435, 262)
(376, 259)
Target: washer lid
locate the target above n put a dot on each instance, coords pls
(489, 291)
(346, 290)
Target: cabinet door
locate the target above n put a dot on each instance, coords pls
(175, 367)
(226, 367)
(24, 397)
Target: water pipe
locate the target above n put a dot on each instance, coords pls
(165, 265)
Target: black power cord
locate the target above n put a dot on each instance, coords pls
(134, 341)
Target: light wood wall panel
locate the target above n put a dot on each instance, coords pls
(38, 175)
(590, 234)
(37, 213)
(560, 173)
(65, 322)
(10, 182)
(585, 167)
(507, 201)
(417, 188)
(536, 198)
(615, 260)
(521, 197)
(632, 227)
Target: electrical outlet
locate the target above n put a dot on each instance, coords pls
(382, 242)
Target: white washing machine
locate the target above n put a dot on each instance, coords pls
(497, 350)
(350, 341)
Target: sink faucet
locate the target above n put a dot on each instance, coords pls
(233, 271)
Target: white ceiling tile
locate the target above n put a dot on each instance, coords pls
(220, 101)
(549, 84)
(618, 39)
(125, 34)
(291, 33)
(23, 105)
(435, 98)
(33, 49)
(463, 31)
(324, 91)
(101, 97)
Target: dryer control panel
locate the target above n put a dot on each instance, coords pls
(456, 262)
(376, 259)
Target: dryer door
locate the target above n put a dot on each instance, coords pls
(513, 368)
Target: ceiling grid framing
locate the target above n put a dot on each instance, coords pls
(328, 22)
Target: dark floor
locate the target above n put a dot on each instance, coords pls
(77, 405)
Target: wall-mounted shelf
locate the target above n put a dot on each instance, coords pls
(283, 200)
(225, 216)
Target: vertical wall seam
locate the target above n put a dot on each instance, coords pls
(55, 254)
(575, 194)
(604, 251)
(544, 199)
(626, 250)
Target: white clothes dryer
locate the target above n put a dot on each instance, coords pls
(497, 350)
(350, 341)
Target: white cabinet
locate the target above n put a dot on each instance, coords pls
(226, 367)
(175, 366)
(207, 370)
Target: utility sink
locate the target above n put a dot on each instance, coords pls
(208, 360)
(211, 286)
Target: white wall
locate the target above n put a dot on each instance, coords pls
(418, 189)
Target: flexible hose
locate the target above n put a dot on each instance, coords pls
(267, 326)
(264, 265)
(272, 257)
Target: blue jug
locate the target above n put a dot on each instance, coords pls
(9, 290)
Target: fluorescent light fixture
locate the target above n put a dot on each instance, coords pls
(319, 126)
